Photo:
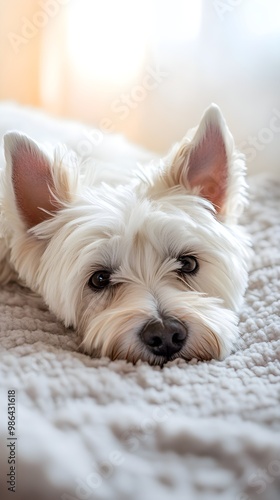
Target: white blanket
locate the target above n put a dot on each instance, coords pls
(95, 429)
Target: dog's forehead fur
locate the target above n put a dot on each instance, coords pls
(110, 230)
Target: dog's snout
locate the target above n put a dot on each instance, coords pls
(164, 338)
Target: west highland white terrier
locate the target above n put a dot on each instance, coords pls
(147, 263)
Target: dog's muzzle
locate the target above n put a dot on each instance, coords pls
(164, 338)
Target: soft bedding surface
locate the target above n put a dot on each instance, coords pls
(95, 429)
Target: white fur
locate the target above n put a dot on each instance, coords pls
(138, 230)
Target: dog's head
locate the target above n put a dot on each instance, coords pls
(151, 270)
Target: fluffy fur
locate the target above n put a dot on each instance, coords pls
(60, 225)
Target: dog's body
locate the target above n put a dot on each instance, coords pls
(146, 262)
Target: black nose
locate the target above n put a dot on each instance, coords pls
(164, 338)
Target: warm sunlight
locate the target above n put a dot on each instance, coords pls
(117, 52)
(265, 20)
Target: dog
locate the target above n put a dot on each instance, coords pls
(146, 262)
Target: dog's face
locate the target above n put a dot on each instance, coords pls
(153, 270)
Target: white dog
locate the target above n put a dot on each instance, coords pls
(152, 266)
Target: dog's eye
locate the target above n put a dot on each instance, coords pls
(100, 279)
(189, 264)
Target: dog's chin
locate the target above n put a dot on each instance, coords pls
(202, 345)
(133, 356)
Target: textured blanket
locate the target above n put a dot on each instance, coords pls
(95, 429)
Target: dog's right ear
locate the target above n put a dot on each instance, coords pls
(33, 184)
(208, 165)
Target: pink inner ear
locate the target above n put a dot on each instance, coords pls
(31, 177)
(208, 166)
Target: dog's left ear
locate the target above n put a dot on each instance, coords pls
(37, 189)
(202, 164)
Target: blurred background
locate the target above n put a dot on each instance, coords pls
(148, 68)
